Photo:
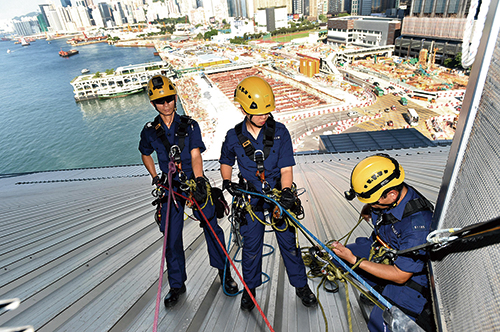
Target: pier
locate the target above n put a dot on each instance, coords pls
(125, 80)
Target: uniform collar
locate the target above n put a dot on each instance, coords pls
(399, 209)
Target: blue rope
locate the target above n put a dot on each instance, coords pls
(328, 250)
(239, 261)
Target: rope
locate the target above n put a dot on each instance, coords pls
(473, 31)
(234, 267)
(330, 271)
(340, 262)
(171, 170)
(195, 203)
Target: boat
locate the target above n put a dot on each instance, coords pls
(85, 71)
(24, 42)
(8, 51)
(118, 94)
(122, 82)
(67, 54)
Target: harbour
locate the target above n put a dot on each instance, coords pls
(62, 133)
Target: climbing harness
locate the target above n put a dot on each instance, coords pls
(174, 151)
(258, 156)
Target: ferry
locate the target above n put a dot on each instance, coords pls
(124, 81)
(67, 54)
(24, 42)
(117, 93)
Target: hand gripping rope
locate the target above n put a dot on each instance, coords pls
(195, 203)
(327, 249)
(396, 319)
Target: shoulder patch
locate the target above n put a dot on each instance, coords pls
(148, 125)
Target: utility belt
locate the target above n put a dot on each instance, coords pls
(214, 195)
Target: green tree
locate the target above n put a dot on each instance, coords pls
(209, 34)
(322, 18)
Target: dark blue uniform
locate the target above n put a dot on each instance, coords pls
(406, 233)
(176, 262)
(281, 155)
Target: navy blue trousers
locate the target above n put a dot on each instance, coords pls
(253, 242)
(176, 260)
(398, 293)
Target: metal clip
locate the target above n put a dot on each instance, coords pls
(258, 157)
(175, 153)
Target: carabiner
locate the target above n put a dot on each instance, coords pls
(258, 157)
(175, 153)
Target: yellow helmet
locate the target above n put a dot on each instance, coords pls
(255, 95)
(160, 86)
(372, 176)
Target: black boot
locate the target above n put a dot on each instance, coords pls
(229, 284)
(173, 296)
(308, 298)
(246, 300)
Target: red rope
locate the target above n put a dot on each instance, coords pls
(227, 255)
(171, 170)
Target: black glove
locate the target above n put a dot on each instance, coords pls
(200, 193)
(231, 187)
(287, 198)
(156, 181)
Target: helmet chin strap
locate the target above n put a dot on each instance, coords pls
(253, 123)
(391, 205)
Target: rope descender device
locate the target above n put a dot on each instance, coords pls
(258, 157)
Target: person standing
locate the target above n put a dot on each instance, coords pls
(401, 217)
(263, 146)
(178, 139)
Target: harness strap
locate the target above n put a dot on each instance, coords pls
(181, 134)
(257, 155)
(413, 206)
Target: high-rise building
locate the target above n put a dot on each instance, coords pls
(43, 9)
(42, 23)
(434, 25)
(439, 8)
(237, 8)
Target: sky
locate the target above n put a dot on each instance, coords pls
(12, 8)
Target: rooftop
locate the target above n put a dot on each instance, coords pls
(81, 250)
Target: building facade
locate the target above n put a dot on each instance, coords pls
(363, 31)
(435, 25)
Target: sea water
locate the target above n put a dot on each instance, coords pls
(42, 127)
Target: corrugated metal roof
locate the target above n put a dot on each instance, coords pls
(374, 140)
(81, 250)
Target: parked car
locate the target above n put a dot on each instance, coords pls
(352, 113)
(376, 83)
(390, 123)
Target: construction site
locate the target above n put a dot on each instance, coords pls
(421, 73)
(309, 80)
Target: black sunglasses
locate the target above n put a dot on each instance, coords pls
(162, 101)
